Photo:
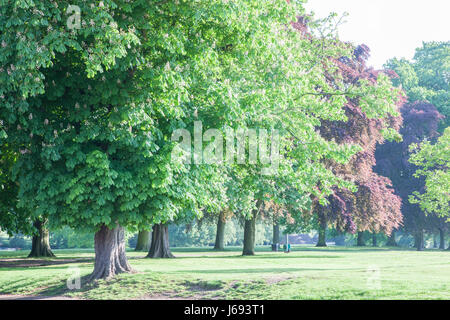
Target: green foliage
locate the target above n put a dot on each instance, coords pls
(204, 234)
(426, 78)
(67, 238)
(12, 218)
(433, 161)
(89, 111)
(18, 241)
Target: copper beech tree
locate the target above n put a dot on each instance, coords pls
(373, 206)
(420, 121)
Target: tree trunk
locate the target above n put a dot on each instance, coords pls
(41, 241)
(249, 236)
(322, 242)
(419, 241)
(160, 242)
(110, 256)
(391, 241)
(435, 243)
(360, 241)
(441, 239)
(250, 232)
(220, 234)
(143, 241)
(276, 233)
(374, 240)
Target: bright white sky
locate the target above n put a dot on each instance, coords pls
(391, 28)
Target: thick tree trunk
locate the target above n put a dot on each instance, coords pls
(220, 234)
(441, 239)
(360, 240)
(250, 232)
(160, 242)
(143, 241)
(249, 236)
(419, 243)
(322, 242)
(110, 256)
(276, 234)
(322, 239)
(374, 240)
(391, 241)
(40, 246)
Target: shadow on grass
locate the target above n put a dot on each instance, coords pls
(256, 270)
(274, 256)
(31, 263)
(61, 288)
(349, 249)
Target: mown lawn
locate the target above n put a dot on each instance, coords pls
(200, 273)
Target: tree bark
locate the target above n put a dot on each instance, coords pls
(220, 234)
(110, 256)
(391, 241)
(143, 241)
(441, 239)
(322, 242)
(40, 246)
(160, 242)
(276, 233)
(250, 232)
(360, 240)
(249, 237)
(419, 241)
(374, 240)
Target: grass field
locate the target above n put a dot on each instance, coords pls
(200, 273)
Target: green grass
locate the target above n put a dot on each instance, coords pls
(200, 273)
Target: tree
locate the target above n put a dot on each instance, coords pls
(231, 200)
(374, 240)
(391, 240)
(276, 234)
(12, 219)
(420, 121)
(249, 235)
(425, 80)
(90, 109)
(40, 246)
(433, 163)
(432, 65)
(220, 231)
(360, 241)
(219, 243)
(372, 206)
(322, 220)
(143, 241)
(376, 98)
(160, 242)
(426, 77)
(94, 108)
(442, 231)
(276, 214)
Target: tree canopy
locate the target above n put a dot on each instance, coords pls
(88, 110)
(433, 162)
